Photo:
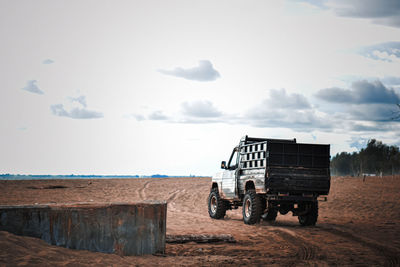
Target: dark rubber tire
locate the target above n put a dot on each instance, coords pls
(216, 205)
(270, 215)
(263, 202)
(311, 217)
(252, 207)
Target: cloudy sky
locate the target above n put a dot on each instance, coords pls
(144, 87)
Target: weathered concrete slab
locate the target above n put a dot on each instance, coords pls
(121, 228)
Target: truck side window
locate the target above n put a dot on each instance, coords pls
(232, 164)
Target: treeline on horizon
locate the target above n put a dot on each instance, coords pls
(376, 158)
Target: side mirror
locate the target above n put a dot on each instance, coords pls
(223, 165)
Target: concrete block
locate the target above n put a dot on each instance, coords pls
(121, 228)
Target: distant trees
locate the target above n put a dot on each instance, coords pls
(376, 158)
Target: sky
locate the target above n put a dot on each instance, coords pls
(170, 87)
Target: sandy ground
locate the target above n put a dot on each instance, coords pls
(359, 225)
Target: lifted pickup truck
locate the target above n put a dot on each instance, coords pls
(266, 176)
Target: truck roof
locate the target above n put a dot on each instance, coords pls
(248, 140)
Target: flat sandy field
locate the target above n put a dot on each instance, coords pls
(359, 225)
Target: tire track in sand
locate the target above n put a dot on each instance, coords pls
(142, 193)
(391, 255)
(173, 196)
(305, 250)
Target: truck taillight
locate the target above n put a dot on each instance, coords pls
(323, 198)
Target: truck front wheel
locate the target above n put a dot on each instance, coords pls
(311, 217)
(216, 205)
(251, 207)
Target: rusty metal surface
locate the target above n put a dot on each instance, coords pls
(121, 228)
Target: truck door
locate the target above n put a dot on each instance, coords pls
(229, 175)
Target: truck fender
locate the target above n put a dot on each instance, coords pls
(258, 187)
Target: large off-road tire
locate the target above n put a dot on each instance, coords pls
(216, 205)
(270, 215)
(268, 212)
(252, 207)
(312, 215)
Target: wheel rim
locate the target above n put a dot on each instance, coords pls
(213, 204)
(247, 208)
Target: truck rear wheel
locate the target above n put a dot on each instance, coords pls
(216, 205)
(270, 215)
(311, 217)
(251, 207)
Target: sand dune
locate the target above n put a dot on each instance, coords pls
(359, 225)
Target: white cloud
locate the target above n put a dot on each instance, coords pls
(391, 80)
(364, 110)
(157, 115)
(48, 61)
(203, 72)
(385, 12)
(80, 99)
(75, 112)
(281, 99)
(389, 52)
(296, 119)
(362, 92)
(200, 109)
(382, 12)
(139, 117)
(280, 109)
(32, 87)
(58, 109)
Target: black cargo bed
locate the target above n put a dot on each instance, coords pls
(298, 168)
